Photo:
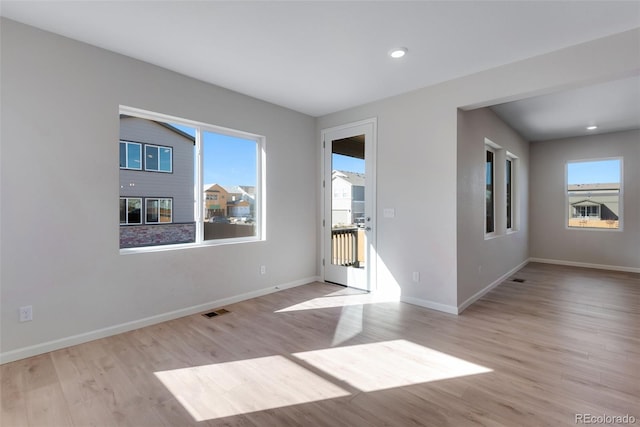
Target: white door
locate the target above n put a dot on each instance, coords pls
(348, 225)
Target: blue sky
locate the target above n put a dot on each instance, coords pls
(594, 172)
(232, 161)
(228, 160)
(348, 164)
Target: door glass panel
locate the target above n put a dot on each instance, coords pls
(348, 219)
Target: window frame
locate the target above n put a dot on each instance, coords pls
(586, 211)
(126, 202)
(492, 148)
(146, 210)
(126, 156)
(511, 193)
(158, 147)
(568, 214)
(260, 214)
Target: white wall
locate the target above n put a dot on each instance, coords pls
(482, 263)
(550, 238)
(59, 224)
(59, 112)
(417, 152)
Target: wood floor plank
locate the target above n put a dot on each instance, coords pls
(13, 409)
(564, 342)
(44, 398)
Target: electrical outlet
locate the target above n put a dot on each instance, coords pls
(263, 269)
(26, 313)
(416, 276)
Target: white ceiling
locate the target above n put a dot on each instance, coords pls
(325, 56)
(612, 106)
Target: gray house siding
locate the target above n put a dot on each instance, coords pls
(177, 185)
(357, 202)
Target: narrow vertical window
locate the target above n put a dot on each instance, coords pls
(489, 192)
(151, 158)
(159, 211)
(509, 191)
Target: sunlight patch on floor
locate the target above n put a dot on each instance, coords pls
(388, 364)
(239, 387)
(350, 324)
(340, 300)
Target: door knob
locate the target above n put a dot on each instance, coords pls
(368, 228)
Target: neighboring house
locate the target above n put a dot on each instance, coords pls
(239, 208)
(347, 197)
(594, 201)
(215, 201)
(241, 201)
(156, 184)
(235, 201)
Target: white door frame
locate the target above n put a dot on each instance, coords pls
(371, 162)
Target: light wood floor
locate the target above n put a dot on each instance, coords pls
(564, 342)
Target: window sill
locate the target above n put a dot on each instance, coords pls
(619, 229)
(181, 246)
(498, 235)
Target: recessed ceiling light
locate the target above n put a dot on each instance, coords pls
(592, 127)
(398, 52)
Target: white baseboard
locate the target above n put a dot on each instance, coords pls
(475, 297)
(48, 346)
(430, 304)
(586, 265)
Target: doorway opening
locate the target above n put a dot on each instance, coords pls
(348, 212)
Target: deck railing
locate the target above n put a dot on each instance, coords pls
(344, 247)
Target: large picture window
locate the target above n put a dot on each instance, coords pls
(594, 194)
(222, 170)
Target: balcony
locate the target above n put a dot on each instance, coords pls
(347, 246)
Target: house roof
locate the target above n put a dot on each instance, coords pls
(241, 189)
(166, 125)
(591, 187)
(249, 189)
(214, 187)
(233, 189)
(586, 202)
(353, 178)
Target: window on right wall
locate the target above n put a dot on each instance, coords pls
(489, 199)
(510, 170)
(594, 194)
